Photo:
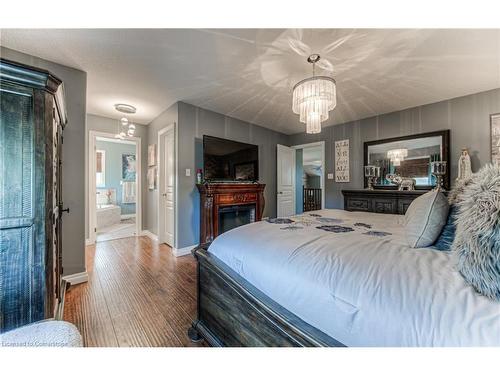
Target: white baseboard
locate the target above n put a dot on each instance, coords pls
(149, 234)
(88, 242)
(183, 250)
(77, 278)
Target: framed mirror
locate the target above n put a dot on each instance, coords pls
(409, 156)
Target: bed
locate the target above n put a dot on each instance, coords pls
(335, 278)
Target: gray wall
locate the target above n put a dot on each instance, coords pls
(194, 122)
(467, 118)
(107, 125)
(167, 117)
(73, 182)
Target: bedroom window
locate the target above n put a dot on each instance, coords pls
(100, 176)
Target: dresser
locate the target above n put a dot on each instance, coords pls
(380, 201)
(31, 134)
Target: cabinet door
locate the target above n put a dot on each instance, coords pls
(22, 215)
(384, 205)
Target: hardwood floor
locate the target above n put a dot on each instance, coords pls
(138, 294)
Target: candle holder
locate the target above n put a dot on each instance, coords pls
(372, 173)
(438, 169)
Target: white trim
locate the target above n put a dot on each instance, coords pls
(103, 165)
(149, 234)
(88, 242)
(323, 165)
(93, 135)
(115, 140)
(159, 159)
(183, 250)
(77, 278)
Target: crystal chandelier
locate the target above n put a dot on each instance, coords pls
(125, 127)
(313, 98)
(397, 155)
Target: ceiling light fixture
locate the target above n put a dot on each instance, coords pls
(313, 98)
(125, 127)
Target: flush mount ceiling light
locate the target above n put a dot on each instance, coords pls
(125, 127)
(313, 98)
(125, 108)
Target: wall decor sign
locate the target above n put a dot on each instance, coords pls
(152, 155)
(152, 178)
(128, 167)
(495, 138)
(342, 161)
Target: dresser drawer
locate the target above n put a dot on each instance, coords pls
(235, 198)
(357, 204)
(384, 206)
(403, 205)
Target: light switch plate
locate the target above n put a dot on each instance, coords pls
(188, 172)
(330, 176)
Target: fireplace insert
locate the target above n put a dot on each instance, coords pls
(233, 216)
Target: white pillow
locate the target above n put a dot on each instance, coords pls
(425, 219)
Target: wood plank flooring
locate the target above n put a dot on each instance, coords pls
(138, 294)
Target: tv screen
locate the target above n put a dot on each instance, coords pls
(225, 160)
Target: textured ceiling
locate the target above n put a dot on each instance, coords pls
(249, 73)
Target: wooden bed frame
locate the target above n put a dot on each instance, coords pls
(232, 312)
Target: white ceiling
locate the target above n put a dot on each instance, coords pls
(249, 73)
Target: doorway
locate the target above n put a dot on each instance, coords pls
(114, 187)
(310, 177)
(167, 185)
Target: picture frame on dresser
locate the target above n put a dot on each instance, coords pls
(421, 150)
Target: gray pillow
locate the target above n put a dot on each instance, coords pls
(425, 219)
(477, 240)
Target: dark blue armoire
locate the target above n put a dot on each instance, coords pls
(32, 119)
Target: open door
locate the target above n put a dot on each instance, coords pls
(167, 186)
(286, 181)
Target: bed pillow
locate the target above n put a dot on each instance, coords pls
(445, 239)
(425, 219)
(477, 241)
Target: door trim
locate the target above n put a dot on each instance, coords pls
(92, 212)
(323, 177)
(161, 215)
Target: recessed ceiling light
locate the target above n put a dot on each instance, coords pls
(125, 108)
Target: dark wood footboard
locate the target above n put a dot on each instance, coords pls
(231, 312)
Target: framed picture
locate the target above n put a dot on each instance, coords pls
(152, 178)
(152, 155)
(495, 138)
(342, 161)
(128, 167)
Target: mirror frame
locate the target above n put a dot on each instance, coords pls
(445, 141)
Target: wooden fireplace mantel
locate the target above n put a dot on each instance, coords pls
(216, 195)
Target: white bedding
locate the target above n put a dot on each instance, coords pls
(362, 290)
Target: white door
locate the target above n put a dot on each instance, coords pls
(286, 181)
(167, 187)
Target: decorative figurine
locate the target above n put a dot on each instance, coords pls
(464, 166)
(403, 183)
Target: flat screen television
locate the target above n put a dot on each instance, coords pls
(225, 160)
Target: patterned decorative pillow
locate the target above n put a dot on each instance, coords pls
(477, 240)
(445, 239)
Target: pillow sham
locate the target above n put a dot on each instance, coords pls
(425, 219)
(477, 240)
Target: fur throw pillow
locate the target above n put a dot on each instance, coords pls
(455, 195)
(477, 240)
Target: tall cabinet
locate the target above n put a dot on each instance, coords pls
(32, 119)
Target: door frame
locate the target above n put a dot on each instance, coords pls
(323, 175)
(92, 211)
(160, 218)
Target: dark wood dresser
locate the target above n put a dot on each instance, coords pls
(218, 199)
(380, 201)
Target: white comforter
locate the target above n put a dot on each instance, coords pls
(361, 289)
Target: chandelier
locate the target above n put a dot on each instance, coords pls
(313, 98)
(397, 155)
(125, 127)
